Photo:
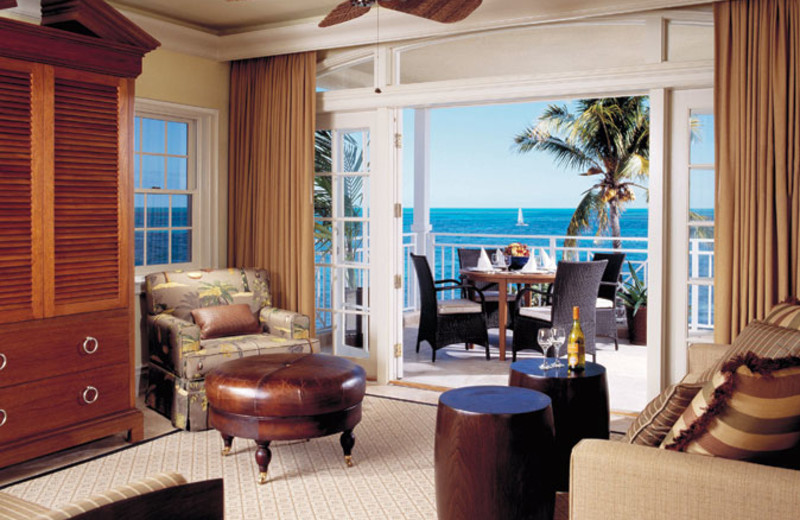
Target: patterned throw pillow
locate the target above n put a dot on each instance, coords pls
(656, 420)
(750, 410)
(764, 340)
(785, 315)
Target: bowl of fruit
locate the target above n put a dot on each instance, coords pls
(519, 254)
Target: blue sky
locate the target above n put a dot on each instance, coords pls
(473, 164)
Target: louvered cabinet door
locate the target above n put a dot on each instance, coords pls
(90, 234)
(20, 190)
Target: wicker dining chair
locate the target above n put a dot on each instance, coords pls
(576, 284)
(607, 296)
(445, 322)
(468, 257)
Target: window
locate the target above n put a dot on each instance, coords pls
(175, 178)
(164, 186)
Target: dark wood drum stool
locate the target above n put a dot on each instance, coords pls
(493, 454)
(285, 397)
(580, 405)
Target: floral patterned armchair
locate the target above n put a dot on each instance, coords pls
(179, 358)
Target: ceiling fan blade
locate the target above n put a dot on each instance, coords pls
(444, 11)
(343, 12)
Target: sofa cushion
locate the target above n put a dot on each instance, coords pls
(656, 420)
(179, 292)
(220, 321)
(750, 410)
(764, 340)
(15, 508)
(785, 315)
(214, 352)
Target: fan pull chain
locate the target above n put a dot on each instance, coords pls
(377, 45)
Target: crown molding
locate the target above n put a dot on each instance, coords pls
(305, 35)
(177, 38)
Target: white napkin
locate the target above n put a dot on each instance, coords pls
(500, 259)
(530, 265)
(484, 264)
(547, 263)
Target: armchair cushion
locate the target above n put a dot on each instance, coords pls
(750, 410)
(459, 306)
(656, 420)
(179, 292)
(225, 320)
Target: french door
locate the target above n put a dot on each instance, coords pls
(691, 196)
(342, 231)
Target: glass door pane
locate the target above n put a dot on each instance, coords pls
(342, 238)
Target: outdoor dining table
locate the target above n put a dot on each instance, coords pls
(502, 278)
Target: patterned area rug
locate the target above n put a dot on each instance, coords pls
(392, 477)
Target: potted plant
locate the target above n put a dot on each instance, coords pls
(634, 298)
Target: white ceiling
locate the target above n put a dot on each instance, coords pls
(238, 16)
(231, 15)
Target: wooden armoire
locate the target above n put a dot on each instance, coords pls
(66, 226)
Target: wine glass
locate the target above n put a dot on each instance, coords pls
(545, 337)
(558, 336)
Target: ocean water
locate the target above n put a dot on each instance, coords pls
(547, 222)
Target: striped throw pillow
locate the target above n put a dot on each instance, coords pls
(784, 315)
(763, 339)
(656, 420)
(750, 410)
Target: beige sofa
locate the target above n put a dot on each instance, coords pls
(616, 480)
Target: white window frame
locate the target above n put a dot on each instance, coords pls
(203, 184)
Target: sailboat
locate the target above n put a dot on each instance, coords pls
(520, 220)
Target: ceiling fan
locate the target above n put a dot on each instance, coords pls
(444, 11)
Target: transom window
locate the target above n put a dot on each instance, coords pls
(164, 191)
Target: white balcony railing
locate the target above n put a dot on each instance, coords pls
(444, 264)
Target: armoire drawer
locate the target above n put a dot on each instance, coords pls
(32, 408)
(43, 349)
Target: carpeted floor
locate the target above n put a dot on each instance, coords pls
(393, 476)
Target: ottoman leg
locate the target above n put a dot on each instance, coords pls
(263, 456)
(348, 440)
(227, 441)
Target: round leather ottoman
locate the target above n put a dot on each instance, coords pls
(285, 397)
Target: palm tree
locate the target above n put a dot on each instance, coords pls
(352, 196)
(607, 138)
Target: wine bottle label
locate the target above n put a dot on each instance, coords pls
(572, 354)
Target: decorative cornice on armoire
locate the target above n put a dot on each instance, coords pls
(85, 35)
(95, 18)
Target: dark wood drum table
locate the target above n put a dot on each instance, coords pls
(580, 405)
(493, 454)
(285, 397)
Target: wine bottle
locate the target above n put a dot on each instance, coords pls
(576, 350)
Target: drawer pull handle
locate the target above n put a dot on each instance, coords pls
(5, 417)
(3, 361)
(90, 345)
(90, 394)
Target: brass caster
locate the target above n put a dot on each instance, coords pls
(226, 451)
(348, 459)
(262, 477)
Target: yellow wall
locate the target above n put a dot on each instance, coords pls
(189, 80)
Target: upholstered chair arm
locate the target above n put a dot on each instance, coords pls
(166, 495)
(177, 335)
(703, 355)
(285, 324)
(610, 479)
